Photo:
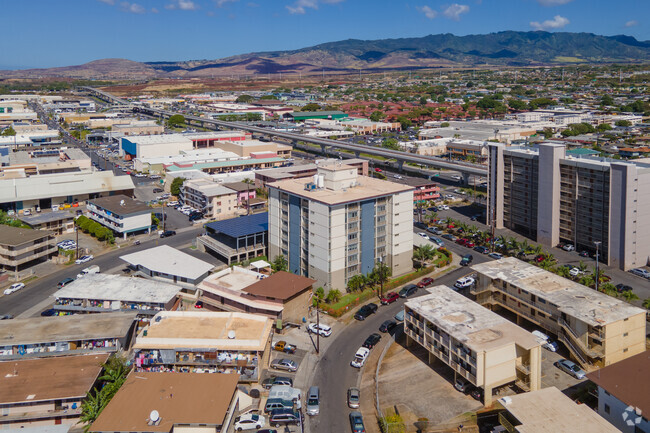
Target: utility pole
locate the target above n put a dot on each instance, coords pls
(317, 327)
(597, 271)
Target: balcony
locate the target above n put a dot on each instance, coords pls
(597, 334)
(591, 351)
(503, 420)
(524, 368)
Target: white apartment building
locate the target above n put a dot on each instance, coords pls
(338, 224)
(121, 214)
(211, 198)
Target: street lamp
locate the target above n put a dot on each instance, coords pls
(597, 243)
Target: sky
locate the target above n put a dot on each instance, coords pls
(50, 33)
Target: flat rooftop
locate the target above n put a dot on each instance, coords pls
(120, 204)
(550, 411)
(180, 398)
(170, 261)
(367, 187)
(47, 217)
(106, 287)
(205, 330)
(34, 330)
(475, 326)
(16, 236)
(576, 300)
(44, 379)
(223, 164)
(209, 187)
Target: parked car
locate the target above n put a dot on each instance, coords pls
(640, 272)
(389, 298)
(387, 325)
(425, 282)
(571, 368)
(283, 346)
(268, 382)
(313, 401)
(482, 250)
(462, 385)
(64, 282)
(424, 235)
(466, 260)
(14, 288)
(470, 244)
(438, 241)
(279, 417)
(495, 256)
(399, 316)
(476, 393)
(6, 317)
(322, 329)
(435, 231)
(354, 396)
(365, 311)
(545, 341)
(464, 283)
(449, 237)
(360, 357)
(84, 259)
(50, 312)
(408, 290)
(371, 341)
(356, 422)
(249, 422)
(167, 233)
(284, 364)
(277, 403)
(620, 288)
(568, 247)
(584, 253)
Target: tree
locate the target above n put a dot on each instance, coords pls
(311, 107)
(608, 289)
(333, 296)
(380, 273)
(8, 132)
(517, 104)
(319, 293)
(444, 125)
(646, 304)
(176, 120)
(244, 99)
(376, 116)
(623, 123)
(629, 296)
(604, 127)
(279, 263)
(356, 283)
(176, 185)
(404, 121)
(607, 100)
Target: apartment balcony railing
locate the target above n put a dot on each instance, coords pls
(593, 352)
(524, 368)
(506, 424)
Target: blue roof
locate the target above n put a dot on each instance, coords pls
(242, 226)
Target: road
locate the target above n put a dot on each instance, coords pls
(334, 375)
(41, 288)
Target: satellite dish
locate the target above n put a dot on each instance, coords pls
(154, 416)
(231, 335)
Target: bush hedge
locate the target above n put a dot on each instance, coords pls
(95, 229)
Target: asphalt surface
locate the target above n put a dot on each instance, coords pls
(41, 288)
(334, 374)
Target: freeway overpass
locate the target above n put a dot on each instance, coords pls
(466, 169)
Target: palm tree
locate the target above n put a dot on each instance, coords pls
(582, 266)
(91, 408)
(646, 304)
(356, 282)
(419, 256)
(563, 272)
(587, 280)
(609, 289)
(546, 264)
(629, 296)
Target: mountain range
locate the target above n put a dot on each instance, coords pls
(509, 48)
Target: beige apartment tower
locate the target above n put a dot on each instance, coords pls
(481, 347)
(597, 329)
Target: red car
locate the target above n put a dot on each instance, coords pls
(425, 282)
(461, 241)
(470, 244)
(378, 170)
(389, 298)
(540, 258)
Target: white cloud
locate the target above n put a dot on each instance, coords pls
(154, 11)
(632, 23)
(184, 5)
(133, 8)
(222, 3)
(553, 2)
(427, 11)
(108, 2)
(298, 7)
(557, 22)
(332, 2)
(455, 10)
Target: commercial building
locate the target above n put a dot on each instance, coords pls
(623, 397)
(205, 342)
(28, 139)
(480, 346)
(550, 197)
(248, 147)
(167, 264)
(548, 410)
(102, 293)
(339, 224)
(468, 150)
(482, 130)
(121, 214)
(213, 199)
(365, 126)
(60, 189)
(252, 163)
(150, 146)
(171, 403)
(44, 392)
(237, 239)
(28, 163)
(280, 296)
(138, 127)
(21, 247)
(183, 159)
(597, 329)
(58, 222)
(299, 116)
(37, 337)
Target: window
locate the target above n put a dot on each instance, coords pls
(607, 408)
(352, 236)
(625, 334)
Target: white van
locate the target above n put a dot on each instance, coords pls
(545, 341)
(284, 392)
(94, 269)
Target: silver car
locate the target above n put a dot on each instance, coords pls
(571, 368)
(284, 364)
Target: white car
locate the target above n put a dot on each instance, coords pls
(456, 177)
(140, 175)
(569, 247)
(322, 329)
(576, 272)
(14, 288)
(360, 357)
(84, 259)
(424, 235)
(464, 283)
(443, 207)
(249, 421)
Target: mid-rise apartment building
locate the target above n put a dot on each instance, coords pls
(211, 198)
(551, 197)
(597, 329)
(339, 224)
(20, 247)
(121, 214)
(481, 347)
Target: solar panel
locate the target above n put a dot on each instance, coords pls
(242, 226)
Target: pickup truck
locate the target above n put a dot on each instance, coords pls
(283, 346)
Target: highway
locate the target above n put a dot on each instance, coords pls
(466, 169)
(333, 373)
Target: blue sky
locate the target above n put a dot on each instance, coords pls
(48, 33)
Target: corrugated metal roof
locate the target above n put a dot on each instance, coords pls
(242, 226)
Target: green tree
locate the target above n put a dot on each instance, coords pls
(608, 289)
(279, 263)
(629, 296)
(176, 120)
(376, 116)
(356, 282)
(646, 304)
(391, 143)
(8, 132)
(176, 185)
(311, 107)
(380, 273)
(245, 99)
(517, 104)
(333, 296)
(404, 121)
(623, 123)
(607, 100)
(604, 127)
(444, 125)
(319, 293)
